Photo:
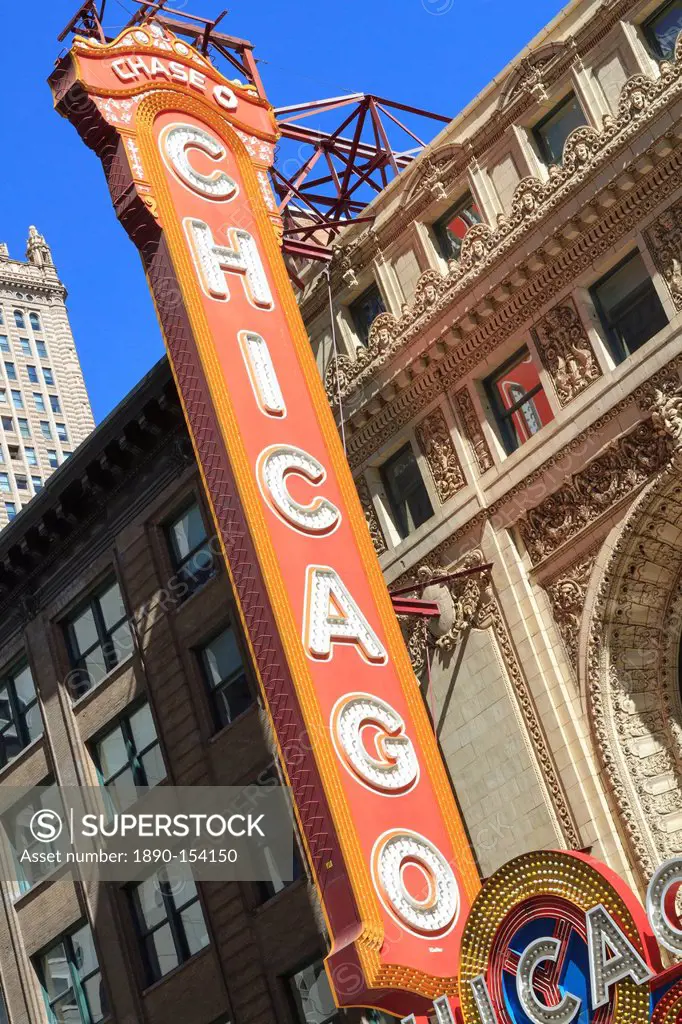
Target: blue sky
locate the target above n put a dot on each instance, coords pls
(435, 54)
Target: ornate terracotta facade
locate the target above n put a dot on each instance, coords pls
(550, 676)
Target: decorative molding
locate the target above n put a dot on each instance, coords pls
(566, 351)
(666, 379)
(621, 467)
(567, 597)
(631, 672)
(585, 150)
(487, 335)
(472, 429)
(371, 518)
(664, 241)
(435, 441)
(475, 605)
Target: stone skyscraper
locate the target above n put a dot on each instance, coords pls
(44, 406)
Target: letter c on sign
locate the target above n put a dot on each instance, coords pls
(432, 911)
(660, 904)
(176, 139)
(394, 768)
(319, 518)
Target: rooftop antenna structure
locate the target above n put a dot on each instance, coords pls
(325, 173)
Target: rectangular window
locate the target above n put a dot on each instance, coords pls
(408, 498)
(20, 718)
(48, 376)
(3, 396)
(4, 343)
(16, 823)
(24, 428)
(31, 457)
(61, 431)
(663, 27)
(66, 453)
(364, 310)
(72, 981)
(4, 1019)
(45, 429)
(99, 638)
(38, 401)
(224, 672)
(11, 371)
(52, 458)
(55, 406)
(32, 374)
(192, 558)
(41, 349)
(452, 227)
(10, 509)
(17, 400)
(628, 306)
(7, 423)
(128, 757)
(271, 878)
(37, 483)
(22, 483)
(14, 453)
(25, 346)
(312, 996)
(518, 400)
(551, 132)
(4, 483)
(169, 920)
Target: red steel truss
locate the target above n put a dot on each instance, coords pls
(337, 169)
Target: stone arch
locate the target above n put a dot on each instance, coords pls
(630, 659)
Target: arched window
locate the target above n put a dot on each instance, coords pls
(19, 319)
(35, 321)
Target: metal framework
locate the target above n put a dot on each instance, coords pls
(352, 160)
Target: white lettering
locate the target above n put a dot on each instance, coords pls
(433, 911)
(395, 768)
(262, 375)
(213, 261)
(119, 69)
(611, 955)
(275, 464)
(331, 616)
(568, 1007)
(660, 904)
(176, 139)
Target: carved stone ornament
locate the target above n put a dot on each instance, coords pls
(474, 605)
(567, 597)
(371, 518)
(585, 151)
(624, 465)
(664, 241)
(435, 442)
(631, 671)
(473, 430)
(566, 351)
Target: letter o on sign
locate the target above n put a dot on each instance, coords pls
(428, 905)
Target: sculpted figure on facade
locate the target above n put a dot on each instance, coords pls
(566, 351)
(371, 518)
(567, 597)
(624, 465)
(666, 417)
(664, 239)
(473, 430)
(437, 446)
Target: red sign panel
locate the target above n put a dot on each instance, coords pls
(186, 155)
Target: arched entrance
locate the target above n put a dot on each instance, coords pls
(630, 654)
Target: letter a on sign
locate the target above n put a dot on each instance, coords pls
(187, 156)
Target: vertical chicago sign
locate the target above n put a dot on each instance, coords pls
(186, 155)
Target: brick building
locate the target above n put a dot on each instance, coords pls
(44, 408)
(122, 664)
